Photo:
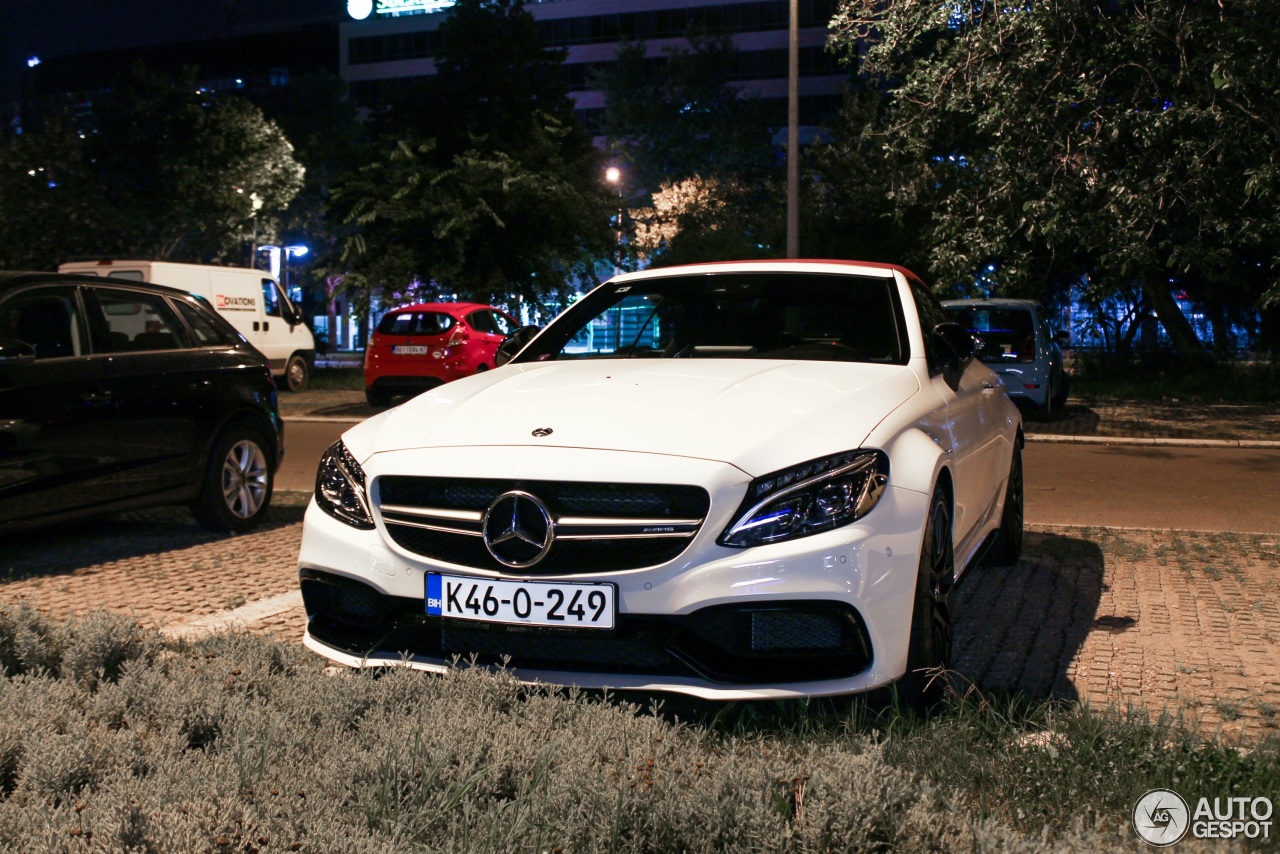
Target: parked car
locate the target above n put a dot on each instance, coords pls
(117, 394)
(1018, 340)
(248, 299)
(735, 481)
(418, 347)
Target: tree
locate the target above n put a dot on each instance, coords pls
(318, 115)
(699, 145)
(163, 171)
(485, 186)
(188, 170)
(1132, 140)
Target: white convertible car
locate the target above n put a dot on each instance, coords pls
(735, 481)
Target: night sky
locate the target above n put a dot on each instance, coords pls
(51, 28)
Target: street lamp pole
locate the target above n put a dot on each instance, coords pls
(614, 176)
(793, 133)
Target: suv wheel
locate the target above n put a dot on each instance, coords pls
(238, 481)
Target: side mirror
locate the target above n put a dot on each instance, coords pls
(15, 352)
(1063, 339)
(956, 339)
(513, 344)
(958, 349)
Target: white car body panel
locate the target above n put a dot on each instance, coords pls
(671, 407)
(716, 423)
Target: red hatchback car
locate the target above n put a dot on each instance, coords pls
(418, 347)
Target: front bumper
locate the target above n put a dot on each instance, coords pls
(821, 615)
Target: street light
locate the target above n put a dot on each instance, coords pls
(614, 176)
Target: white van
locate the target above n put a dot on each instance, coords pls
(250, 299)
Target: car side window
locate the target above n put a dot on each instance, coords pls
(137, 321)
(481, 321)
(49, 319)
(503, 324)
(270, 298)
(202, 331)
(931, 314)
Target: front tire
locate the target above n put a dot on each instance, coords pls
(238, 481)
(296, 375)
(929, 652)
(1007, 548)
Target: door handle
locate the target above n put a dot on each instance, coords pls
(266, 325)
(255, 326)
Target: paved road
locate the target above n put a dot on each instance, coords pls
(1123, 486)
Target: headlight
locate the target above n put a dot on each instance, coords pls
(809, 498)
(340, 488)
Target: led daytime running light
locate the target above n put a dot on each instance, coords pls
(340, 488)
(809, 498)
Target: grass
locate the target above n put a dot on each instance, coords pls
(1162, 379)
(114, 739)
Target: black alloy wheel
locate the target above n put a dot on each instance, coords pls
(932, 633)
(1007, 548)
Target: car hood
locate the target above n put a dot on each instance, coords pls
(754, 414)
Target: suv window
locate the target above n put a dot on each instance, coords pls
(49, 319)
(202, 330)
(415, 323)
(137, 321)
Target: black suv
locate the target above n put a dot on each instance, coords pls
(116, 395)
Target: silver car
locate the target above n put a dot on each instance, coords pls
(1019, 343)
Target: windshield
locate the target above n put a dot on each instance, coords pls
(801, 316)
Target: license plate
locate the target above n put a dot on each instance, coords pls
(528, 603)
(410, 350)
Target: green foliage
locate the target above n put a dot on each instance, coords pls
(1125, 142)
(503, 197)
(1155, 376)
(237, 742)
(165, 172)
(699, 146)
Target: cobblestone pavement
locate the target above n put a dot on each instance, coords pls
(1187, 622)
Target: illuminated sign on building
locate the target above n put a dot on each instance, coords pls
(361, 9)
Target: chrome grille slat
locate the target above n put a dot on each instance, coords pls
(642, 524)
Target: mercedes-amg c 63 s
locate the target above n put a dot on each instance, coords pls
(734, 480)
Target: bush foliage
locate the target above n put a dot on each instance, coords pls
(111, 740)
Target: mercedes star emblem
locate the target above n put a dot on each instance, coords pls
(543, 431)
(518, 529)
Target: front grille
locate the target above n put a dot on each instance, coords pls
(599, 527)
(795, 641)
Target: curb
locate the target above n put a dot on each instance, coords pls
(1255, 444)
